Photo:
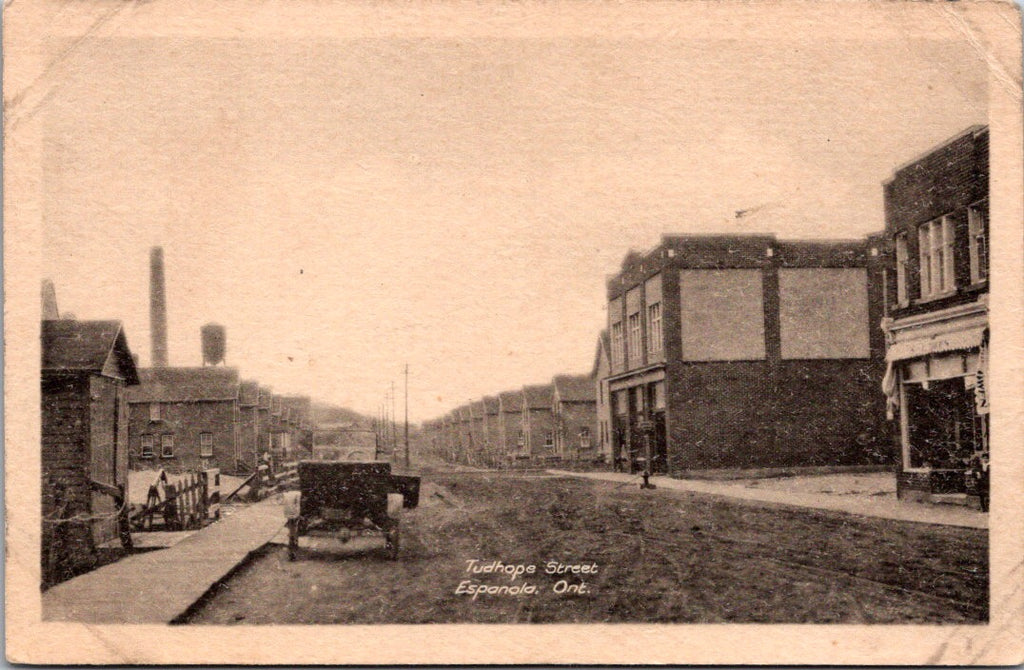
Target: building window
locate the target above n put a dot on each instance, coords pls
(148, 443)
(977, 225)
(166, 446)
(154, 411)
(935, 240)
(521, 439)
(654, 339)
(902, 260)
(206, 445)
(635, 352)
(584, 437)
(618, 345)
(549, 439)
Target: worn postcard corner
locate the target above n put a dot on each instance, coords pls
(513, 333)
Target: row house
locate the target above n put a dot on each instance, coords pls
(511, 435)
(297, 424)
(746, 351)
(575, 418)
(184, 419)
(936, 328)
(491, 435)
(248, 429)
(476, 418)
(86, 370)
(539, 421)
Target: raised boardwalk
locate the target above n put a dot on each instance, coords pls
(159, 586)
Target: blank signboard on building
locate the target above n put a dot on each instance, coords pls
(722, 313)
(823, 312)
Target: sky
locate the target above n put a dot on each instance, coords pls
(347, 206)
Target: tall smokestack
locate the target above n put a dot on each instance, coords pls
(157, 307)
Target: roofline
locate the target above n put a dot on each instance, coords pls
(972, 130)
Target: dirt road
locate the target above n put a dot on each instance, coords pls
(639, 557)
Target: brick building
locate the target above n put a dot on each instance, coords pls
(747, 351)
(185, 419)
(936, 221)
(574, 406)
(539, 421)
(86, 368)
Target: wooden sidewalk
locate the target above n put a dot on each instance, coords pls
(159, 586)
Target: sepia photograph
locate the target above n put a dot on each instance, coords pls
(513, 332)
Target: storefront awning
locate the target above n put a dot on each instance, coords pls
(969, 338)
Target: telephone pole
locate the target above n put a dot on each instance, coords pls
(406, 415)
(394, 421)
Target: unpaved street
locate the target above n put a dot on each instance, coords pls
(660, 557)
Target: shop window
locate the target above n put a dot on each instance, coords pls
(148, 446)
(977, 224)
(941, 425)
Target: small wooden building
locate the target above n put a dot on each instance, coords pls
(86, 366)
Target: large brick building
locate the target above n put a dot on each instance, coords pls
(936, 217)
(86, 367)
(747, 351)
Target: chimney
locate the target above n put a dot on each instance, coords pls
(157, 308)
(50, 311)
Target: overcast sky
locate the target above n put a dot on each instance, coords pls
(345, 206)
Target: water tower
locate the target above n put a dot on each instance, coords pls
(214, 343)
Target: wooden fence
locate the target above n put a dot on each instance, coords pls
(183, 504)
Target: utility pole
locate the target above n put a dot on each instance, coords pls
(406, 415)
(394, 422)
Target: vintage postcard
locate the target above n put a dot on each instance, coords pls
(362, 332)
